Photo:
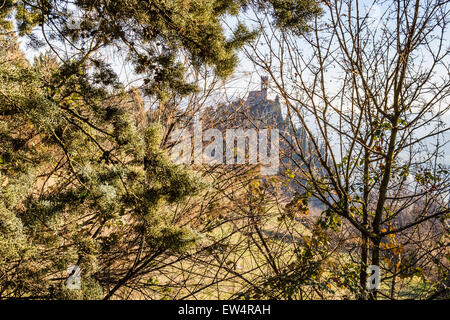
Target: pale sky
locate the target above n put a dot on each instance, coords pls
(246, 77)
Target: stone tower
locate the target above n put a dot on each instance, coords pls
(264, 86)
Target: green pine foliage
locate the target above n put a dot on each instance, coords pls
(77, 177)
(82, 181)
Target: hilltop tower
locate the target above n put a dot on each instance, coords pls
(264, 86)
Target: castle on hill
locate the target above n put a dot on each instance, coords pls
(259, 112)
(256, 111)
(260, 107)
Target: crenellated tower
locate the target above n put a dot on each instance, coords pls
(264, 86)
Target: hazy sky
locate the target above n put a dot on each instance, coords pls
(247, 75)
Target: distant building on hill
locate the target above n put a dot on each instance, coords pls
(261, 108)
(259, 112)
